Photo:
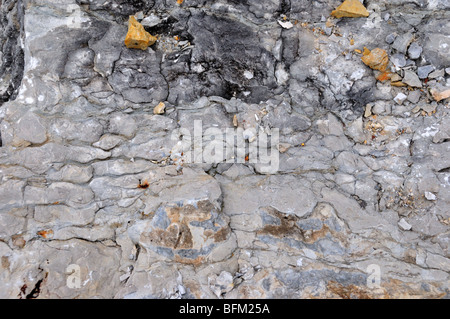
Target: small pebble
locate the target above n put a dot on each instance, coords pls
(403, 224)
(398, 60)
(400, 98)
(391, 38)
(412, 79)
(414, 96)
(436, 74)
(430, 196)
(414, 51)
(423, 71)
(368, 110)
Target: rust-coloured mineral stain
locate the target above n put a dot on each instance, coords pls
(384, 76)
(195, 262)
(137, 37)
(45, 233)
(347, 292)
(221, 234)
(143, 184)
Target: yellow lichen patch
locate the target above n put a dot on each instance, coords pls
(350, 9)
(137, 37)
(377, 59)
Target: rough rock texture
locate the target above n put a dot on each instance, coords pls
(103, 195)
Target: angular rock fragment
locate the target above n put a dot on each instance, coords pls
(430, 196)
(423, 71)
(414, 51)
(412, 79)
(403, 224)
(286, 24)
(414, 96)
(400, 98)
(376, 59)
(160, 108)
(151, 21)
(402, 42)
(436, 74)
(390, 38)
(350, 9)
(398, 60)
(438, 96)
(137, 37)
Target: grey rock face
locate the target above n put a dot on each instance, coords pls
(12, 55)
(282, 167)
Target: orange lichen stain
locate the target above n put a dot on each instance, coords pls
(180, 2)
(143, 184)
(177, 38)
(384, 76)
(377, 59)
(358, 51)
(55, 203)
(352, 41)
(45, 233)
(137, 37)
(350, 9)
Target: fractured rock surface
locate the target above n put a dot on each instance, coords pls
(107, 190)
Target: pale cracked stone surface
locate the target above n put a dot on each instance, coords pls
(99, 194)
